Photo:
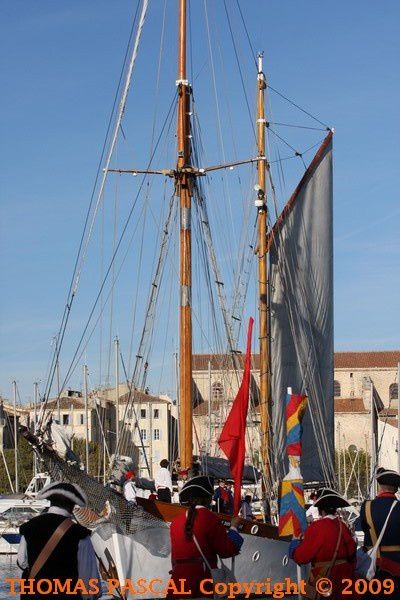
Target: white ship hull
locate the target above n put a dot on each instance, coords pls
(127, 558)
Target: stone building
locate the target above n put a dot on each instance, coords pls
(147, 426)
(357, 375)
(351, 369)
(151, 424)
(70, 411)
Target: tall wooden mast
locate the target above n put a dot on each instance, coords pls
(261, 204)
(183, 188)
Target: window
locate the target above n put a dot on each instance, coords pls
(81, 419)
(156, 435)
(65, 419)
(217, 391)
(130, 413)
(156, 413)
(142, 413)
(336, 388)
(393, 391)
(351, 375)
(143, 435)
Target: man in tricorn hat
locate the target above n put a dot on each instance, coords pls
(54, 547)
(328, 545)
(373, 515)
(198, 537)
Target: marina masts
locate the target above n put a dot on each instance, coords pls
(262, 268)
(14, 385)
(183, 189)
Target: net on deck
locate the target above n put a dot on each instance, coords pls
(109, 505)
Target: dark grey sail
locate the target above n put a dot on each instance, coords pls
(301, 276)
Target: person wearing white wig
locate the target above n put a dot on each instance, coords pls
(55, 547)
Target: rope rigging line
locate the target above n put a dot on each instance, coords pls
(295, 126)
(298, 107)
(217, 106)
(115, 236)
(253, 53)
(78, 358)
(122, 236)
(240, 69)
(136, 422)
(148, 326)
(83, 245)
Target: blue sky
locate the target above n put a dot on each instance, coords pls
(60, 64)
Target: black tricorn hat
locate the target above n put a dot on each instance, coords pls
(388, 477)
(328, 498)
(197, 487)
(69, 491)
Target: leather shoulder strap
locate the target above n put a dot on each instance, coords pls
(334, 557)
(51, 544)
(368, 516)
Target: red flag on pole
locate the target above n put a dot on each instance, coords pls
(232, 439)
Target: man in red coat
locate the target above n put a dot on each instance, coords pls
(328, 545)
(199, 532)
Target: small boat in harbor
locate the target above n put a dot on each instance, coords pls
(16, 509)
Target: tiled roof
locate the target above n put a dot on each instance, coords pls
(202, 409)
(392, 422)
(349, 405)
(391, 412)
(367, 360)
(343, 360)
(66, 402)
(141, 398)
(221, 362)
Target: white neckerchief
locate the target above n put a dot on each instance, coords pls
(56, 510)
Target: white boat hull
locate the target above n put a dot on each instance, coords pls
(9, 540)
(127, 558)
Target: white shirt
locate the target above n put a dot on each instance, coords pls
(163, 479)
(246, 510)
(130, 491)
(87, 561)
(312, 513)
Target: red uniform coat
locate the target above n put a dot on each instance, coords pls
(186, 560)
(318, 546)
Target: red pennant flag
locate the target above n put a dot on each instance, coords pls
(232, 439)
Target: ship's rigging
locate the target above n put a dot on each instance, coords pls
(227, 302)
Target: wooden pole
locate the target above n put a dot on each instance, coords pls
(85, 393)
(373, 444)
(398, 417)
(14, 384)
(183, 188)
(261, 205)
(116, 346)
(35, 403)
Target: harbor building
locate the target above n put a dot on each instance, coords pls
(359, 377)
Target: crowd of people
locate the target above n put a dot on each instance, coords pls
(54, 546)
(222, 497)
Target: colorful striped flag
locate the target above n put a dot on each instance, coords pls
(292, 516)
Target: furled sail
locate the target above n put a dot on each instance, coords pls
(301, 276)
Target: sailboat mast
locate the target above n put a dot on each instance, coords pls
(183, 189)
(262, 268)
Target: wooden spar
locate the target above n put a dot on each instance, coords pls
(183, 188)
(263, 271)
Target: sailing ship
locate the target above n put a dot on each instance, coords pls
(295, 331)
